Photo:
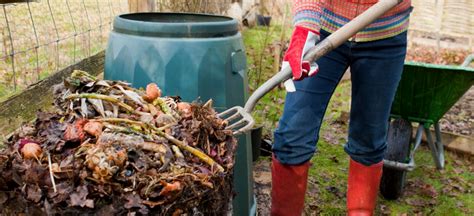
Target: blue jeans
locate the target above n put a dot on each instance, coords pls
(376, 68)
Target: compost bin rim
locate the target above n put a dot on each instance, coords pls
(222, 27)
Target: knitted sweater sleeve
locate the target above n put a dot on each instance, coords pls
(307, 13)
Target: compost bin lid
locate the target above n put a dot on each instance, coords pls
(175, 25)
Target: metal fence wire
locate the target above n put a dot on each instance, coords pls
(39, 38)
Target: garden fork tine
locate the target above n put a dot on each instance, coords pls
(240, 119)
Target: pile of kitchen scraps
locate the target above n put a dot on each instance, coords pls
(112, 150)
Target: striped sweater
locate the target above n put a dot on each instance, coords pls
(329, 15)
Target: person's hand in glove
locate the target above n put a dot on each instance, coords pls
(301, 41)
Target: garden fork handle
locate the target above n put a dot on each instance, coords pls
(322, 48)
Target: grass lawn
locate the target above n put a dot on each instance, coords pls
(428, 191)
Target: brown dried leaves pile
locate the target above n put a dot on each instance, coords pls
(112, 149)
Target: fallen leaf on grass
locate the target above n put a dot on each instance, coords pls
(334, 159)
(384, 210)
(455, 185)
(419, 187)
(415, 202)
(458, 170)
(329, 137)
(343, 118)
(313, 188)
(312, 208)
(429, 190)
(336, 191)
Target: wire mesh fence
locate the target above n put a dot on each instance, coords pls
(39, 38)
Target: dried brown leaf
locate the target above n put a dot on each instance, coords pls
(34, 193)
(79, 198)
(133, 201)
(416, 202)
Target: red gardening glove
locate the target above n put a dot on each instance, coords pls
(301, 41)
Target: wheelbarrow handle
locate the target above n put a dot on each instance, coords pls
(322, 48)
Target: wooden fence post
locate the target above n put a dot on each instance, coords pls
(439, 23)
(141, 6)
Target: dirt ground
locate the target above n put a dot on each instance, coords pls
(262, 186)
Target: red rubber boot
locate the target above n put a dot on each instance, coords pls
(288, 188)
(362, 187)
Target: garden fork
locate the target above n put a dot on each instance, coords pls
(240, 119)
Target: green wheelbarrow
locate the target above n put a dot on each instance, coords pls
(425, 93)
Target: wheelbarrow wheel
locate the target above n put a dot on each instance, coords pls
(398, 148)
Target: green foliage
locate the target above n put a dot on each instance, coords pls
(259, 43)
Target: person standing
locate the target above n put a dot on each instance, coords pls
(375, 56)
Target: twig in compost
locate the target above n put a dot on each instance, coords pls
(51, 175)
(177, 152)
(126, 121)
(152, 183)
(180, 144)
(164, 127)
(126, 130)
(121, 120)
(191, 150)
(103, 97)
(208, 103)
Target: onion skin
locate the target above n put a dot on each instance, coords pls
(24, 141)
(94, 128)
(152, 92)
(75, 132)
(185, 109)
(31, 150)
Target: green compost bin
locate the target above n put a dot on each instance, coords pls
(194, 56)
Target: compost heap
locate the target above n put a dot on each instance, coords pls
(111, 149)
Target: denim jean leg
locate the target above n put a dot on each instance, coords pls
(297, 132)
(376, 69)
